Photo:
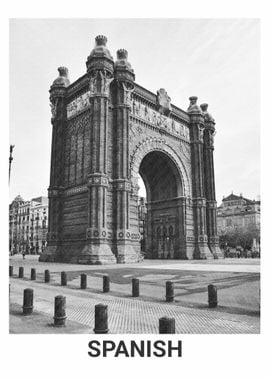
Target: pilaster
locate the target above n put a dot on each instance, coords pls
(127, 249)
(55, 191)
(209, 177)
(100, 75)
(201, 250)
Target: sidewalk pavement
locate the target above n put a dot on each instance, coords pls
(126, 314)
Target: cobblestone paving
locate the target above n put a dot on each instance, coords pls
(132, 315)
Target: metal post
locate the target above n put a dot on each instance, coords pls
(169, 291)
(166, 325)
(11, 147)
(33, 274)
(21, 272)
(46, 275)
(60, 311)
(63, 278)
(135, 287)
(28, 295)
(83, 281)
(101, 319)
(212, 296)
(106, 284)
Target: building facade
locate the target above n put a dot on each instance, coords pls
(106, 131)
(237, 212)
(28, 225)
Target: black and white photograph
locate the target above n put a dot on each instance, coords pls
(134, 185)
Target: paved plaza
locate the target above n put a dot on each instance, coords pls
(237, 281)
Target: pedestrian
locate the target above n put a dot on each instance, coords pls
(23, 255)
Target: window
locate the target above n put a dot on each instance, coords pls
(228, 222)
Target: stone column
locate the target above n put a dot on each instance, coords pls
(55, 191)
(126, 249)
(100, 74)
(209, 177)
(201, 250)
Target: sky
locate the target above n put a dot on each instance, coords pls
(217, 60)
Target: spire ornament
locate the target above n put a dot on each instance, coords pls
(206, 114)
(193, 106)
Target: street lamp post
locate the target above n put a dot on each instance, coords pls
(11, 147)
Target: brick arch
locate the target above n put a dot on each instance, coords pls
(158, 144)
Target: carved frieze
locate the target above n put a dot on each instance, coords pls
(78, 105)
(164, 123)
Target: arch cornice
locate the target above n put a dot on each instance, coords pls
(151, 144)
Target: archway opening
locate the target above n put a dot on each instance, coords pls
(160, 186)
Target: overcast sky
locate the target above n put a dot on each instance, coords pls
(216, 60)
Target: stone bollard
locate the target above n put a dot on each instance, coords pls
(63, 278)
(33, 274)
(10, 271)
(106, 284)
(83, 281)
(60, 311)
(21, 270)
(212, 296)
(135, 287)
(47, 275)
(169, 291)
(28, 295)
(101, 319)
(166, 325)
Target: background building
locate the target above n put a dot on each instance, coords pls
(28, 225)
(238, 222)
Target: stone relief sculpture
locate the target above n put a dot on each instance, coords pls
(106, 80)
(127, 93)
(93, 83)
(78, 104)
(163, 102)
(53, 105)
(211, 138)
(160, 121)
(200, 135)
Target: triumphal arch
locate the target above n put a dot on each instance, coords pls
(106, 131)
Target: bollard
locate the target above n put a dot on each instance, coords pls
(33, 274)
(21, 270)
(46, 275)
(135, 287)
(10, 271)
(166, 325)
(83, 281)
(60, 311)
(101, 319)
(28, 295)
(106, 284)
(63, 278)
(169, 291)
(212, 296)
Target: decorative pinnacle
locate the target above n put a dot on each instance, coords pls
(101, 40)
(207, 116)
(204, 107)
(193, 107)
(63, 71)
(193, 99)
(122, 54)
